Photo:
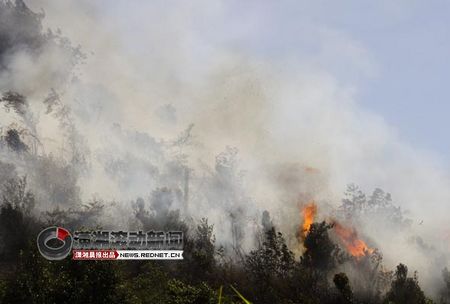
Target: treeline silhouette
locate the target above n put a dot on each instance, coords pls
(268, 274)
(209, 273)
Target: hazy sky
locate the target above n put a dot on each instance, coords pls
(406, 42)
(409, 44)
(401, 52)
(393, 53)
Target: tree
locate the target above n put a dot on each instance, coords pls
(145, 285)
(14, 141)
(204, 249)
(445, 294)
(405, 290)
(342, 284)
(28, 35)
(159, 216)
(268, 266)
(182, 293)
(16, 222)
(16, 101)
(199, 262)
(321, 252)
(38, 280)
(354, 201)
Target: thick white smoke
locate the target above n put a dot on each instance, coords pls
(152, 69)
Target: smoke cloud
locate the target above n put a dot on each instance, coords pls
(156, 97)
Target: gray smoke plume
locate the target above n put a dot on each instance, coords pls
(155, 109)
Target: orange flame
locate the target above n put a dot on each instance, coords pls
(309, 212)
(355, 246)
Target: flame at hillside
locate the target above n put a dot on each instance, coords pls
(349, 237)
(309, 213)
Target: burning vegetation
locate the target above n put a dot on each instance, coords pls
(39, 188)
(309, 212)
(349, 237)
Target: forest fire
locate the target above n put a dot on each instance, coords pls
(355, 246)
(309, 212)
(348, 235)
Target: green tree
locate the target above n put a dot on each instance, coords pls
(182, 293)
(342, 284)
(145, 285)
(404, 289)
(268, 266)
(321, 252)
(16, 222)
(200, 253)
(38, 280)
(445, 294)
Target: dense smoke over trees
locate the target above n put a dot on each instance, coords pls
(66, 161)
